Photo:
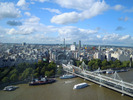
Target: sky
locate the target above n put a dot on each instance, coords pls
(94, 22)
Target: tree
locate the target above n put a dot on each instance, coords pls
(104, 63)
(117, 63)
(97, 63)
(14, 77)
(43, 70)
(49, 73)
(60, 70)
(125, 64)
(52, 66)
(78, 63)
(91, 64)
(5, 79)
(27, 72)
(36, 75)
(14, 71)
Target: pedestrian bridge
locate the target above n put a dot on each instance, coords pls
(118, 85)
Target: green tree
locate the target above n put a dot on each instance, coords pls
(125, 64)
(49, 73)
(117, 63)
(78, 63)
(27, 73)
(36, 75)
(14, 71)
(60, 70)
(52, 66)
(97, 63)
(14, 77)
(5, 79)
(104, 63)
(43, 70)
(91, 64)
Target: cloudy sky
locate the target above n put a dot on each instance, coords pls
(50, 21)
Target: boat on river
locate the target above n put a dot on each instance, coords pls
(67, 76)
(79, 86)
(42, 81)
(110, 72)
(10, 88)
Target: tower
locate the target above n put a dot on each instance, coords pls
(74, 43)
(79, 44)
(64, 44)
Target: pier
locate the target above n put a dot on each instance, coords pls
(113, 83)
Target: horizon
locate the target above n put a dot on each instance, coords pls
(83, 45)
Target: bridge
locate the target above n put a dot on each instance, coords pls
(118, 85)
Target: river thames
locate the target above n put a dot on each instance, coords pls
(63, 90)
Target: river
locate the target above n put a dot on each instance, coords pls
(63, 90)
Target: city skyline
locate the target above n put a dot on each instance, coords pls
(95, 22)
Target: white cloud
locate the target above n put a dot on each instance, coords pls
(40, 0)
(72, 33)
(110, 39)
(23, 4)
(99, 36)
(33, 19)
(87, 9)
(76, 4)
(52, 10)
(126, 37)
(8, 10)
(118, 7)
(1, 36)
(27, 13)
(31, 26)
(22, 30)
(66, 18)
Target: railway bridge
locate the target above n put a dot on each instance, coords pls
(118, 85)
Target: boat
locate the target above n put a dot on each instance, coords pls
(10, 88)
(42, 81)
(109, 72)
(79, 86)
(67, 76)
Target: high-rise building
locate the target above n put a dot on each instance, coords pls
(79, 44)
(64, 43)
(99, 48)
(74, 43)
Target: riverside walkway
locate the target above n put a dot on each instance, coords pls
(112, 83)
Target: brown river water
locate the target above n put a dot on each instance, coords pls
(62, 89)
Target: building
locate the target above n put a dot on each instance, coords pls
(120, 56)
(108, 56)
(97, 55)
(72, 47)
(79, 44)
(74, 43)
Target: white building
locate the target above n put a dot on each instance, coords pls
(108, 55)
(120, 56)
(97, 55)
(72, 47)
